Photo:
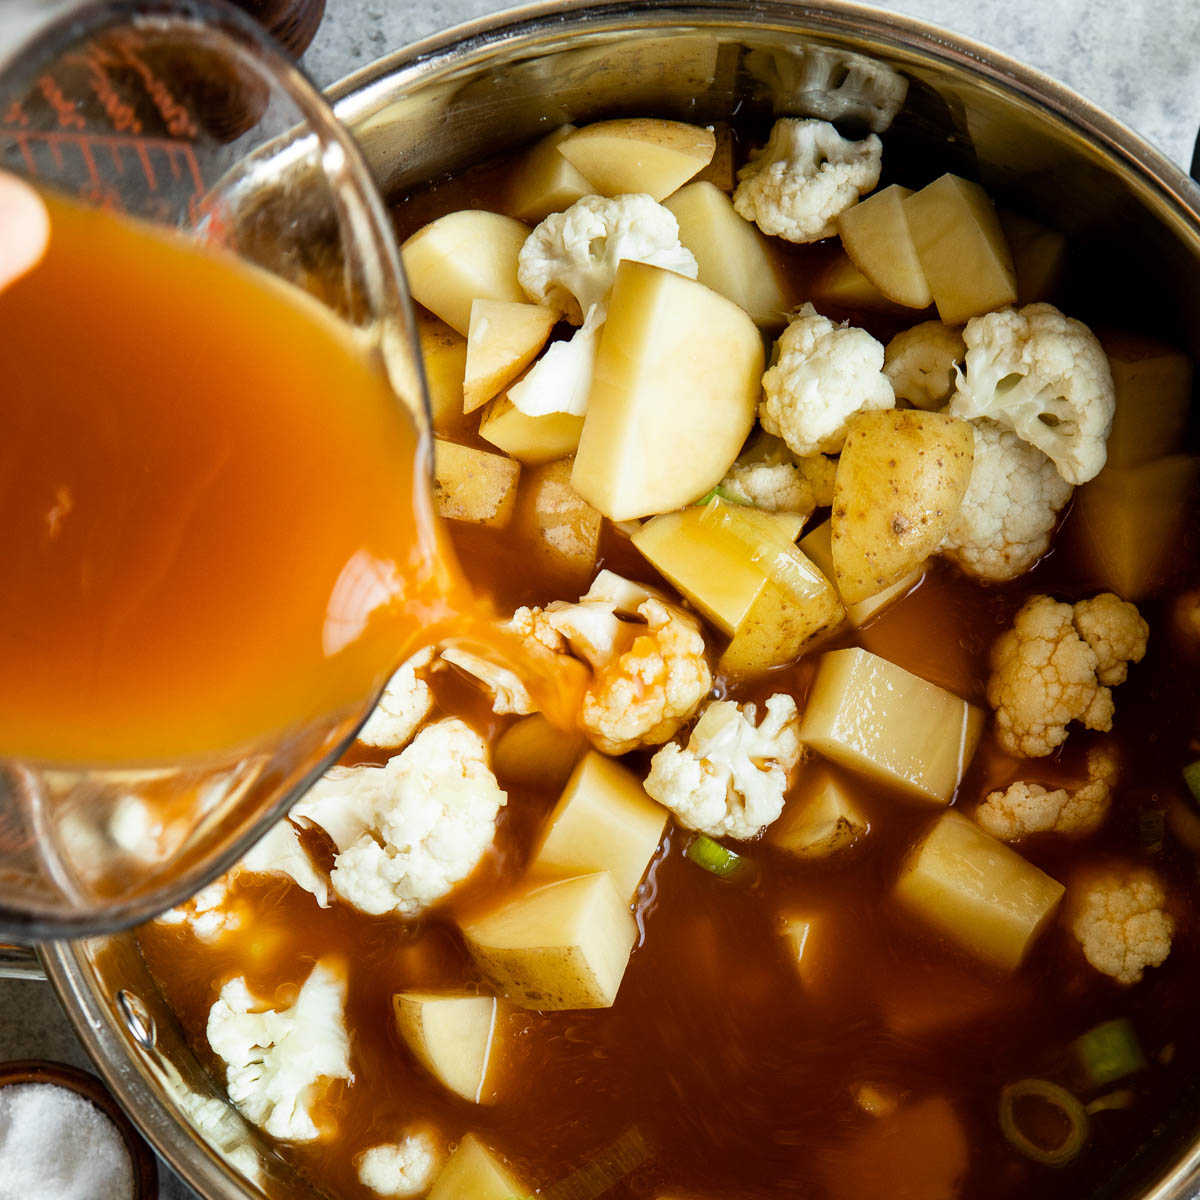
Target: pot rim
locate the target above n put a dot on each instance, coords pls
(68, 967)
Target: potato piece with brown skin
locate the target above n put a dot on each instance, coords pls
(900, 483)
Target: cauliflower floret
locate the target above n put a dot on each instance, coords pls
(275, 1058)
(1047, 378)
(770, 477)
(509, 694)
(209, 914)
(1046, 669)
(1120, 921)
(1024, 808)
(405, 703)
(570, 260)
(648, 658)
(821, 376)
(731, 778)
(559, 382)
(404, 1168)
(1009, 509)
(281, 852)
(804, 178)
(922, 363)
(409, 831)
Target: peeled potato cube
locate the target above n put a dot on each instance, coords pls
(463, 257)
(962, 249)
(842, 285)
(445, 356)
(977, 891)
(875, 235)
(720, 170)
(638, 154)
(1039, 257)
(674, 395)
(531, 751)
(818, 546)
(821, 818)
(543, 182)
(504, 338)
(474, 1173)
(533, 440)
(451, 1036)
(1153, 385)
(604, 821)
(899, 485)
(558, 945)
(473, 485)
(557, 524)
(699, 551)
(1127, 523)
(874, 718)
(733, 256)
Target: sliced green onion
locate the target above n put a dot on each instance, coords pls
(1109, 1052)
(1055, 1096)
(1151, 826)
(720, 493)
(1111, 1102)
(713, 857)
(1191, 776)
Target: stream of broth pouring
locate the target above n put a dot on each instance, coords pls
(217, 521)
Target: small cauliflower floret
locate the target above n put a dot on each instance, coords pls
(509, 694)
(922, 363)
(1047, 378)
(281, 852)
(648, 657)
(275, 1058)
(408, 832)
(1119, 918)
(1051, 668)
(731, 778)
(822, 375)
(770, 477)
(208, 914)
(570, 260)
(1010, 507)
(405, 703)
(1025, 808)
(404, 1168)
(804, 178)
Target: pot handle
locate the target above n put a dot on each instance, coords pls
(20, 962)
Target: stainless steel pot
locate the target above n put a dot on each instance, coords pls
(480, 89)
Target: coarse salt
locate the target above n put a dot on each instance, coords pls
(57, 1145)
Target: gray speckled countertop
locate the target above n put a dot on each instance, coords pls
(1139, 59)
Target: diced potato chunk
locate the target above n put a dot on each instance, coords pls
(918, 1003)
(463, 257)
(818, 545)
(842, 285)
(533, 440)
(504, 339)
(532, 751)
(875, 235)
(720, 171)
(558, 945)
(822, 817)
(639, 154)
(1154, 389)
(473, 1173)
(900, 482)
(962, 249)
(733, 256)
(604, 821)
(673, 398)
(872, 717)
(557, 524)
(704, 550)
(1127, 523)
(1039, 257)
(452, 1037)
(977, 891)
(445, 355)
(473, 485)
(543, 182)
(797, 933)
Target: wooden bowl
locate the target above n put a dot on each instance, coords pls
(145, 1166)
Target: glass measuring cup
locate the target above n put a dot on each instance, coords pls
(184, 115)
